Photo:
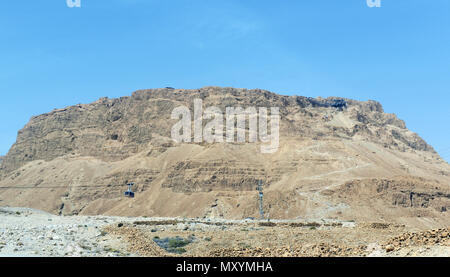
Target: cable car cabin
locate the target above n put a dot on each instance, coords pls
(129, 193)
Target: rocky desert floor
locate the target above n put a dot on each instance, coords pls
(28, 232)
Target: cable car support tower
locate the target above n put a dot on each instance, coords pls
(261, 195)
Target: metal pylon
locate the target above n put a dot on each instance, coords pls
(261, 194)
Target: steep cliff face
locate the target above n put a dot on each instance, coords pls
(114, 129)
(78, 159)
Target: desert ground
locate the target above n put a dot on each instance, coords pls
(26, 232)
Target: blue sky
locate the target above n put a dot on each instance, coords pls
(52, 56)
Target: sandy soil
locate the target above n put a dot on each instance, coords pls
(28, 232)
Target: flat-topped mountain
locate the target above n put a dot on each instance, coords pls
(337, 158)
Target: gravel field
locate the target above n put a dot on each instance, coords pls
(32, 233)
(28, 232)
